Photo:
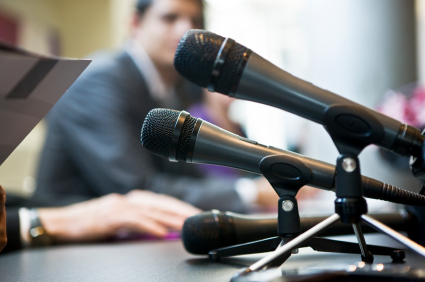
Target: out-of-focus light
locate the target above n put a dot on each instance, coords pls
(379, 267)
(28, 184)
(351, 268)
(361, 264)
(405, 269)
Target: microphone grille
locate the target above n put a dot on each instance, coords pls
(157, 131)
(204, 232)
(196, 54)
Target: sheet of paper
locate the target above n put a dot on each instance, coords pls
(30, 85)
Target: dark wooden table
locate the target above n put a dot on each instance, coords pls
(153, 261)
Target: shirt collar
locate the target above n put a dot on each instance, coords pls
(158, 90)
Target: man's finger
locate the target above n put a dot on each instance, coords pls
(167, 219)
(162, 202)
(145, 225)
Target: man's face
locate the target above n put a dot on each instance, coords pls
(163, 24)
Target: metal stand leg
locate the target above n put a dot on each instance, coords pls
(293, 244)
(261, 246)
(395, 235)
(366, 255)
(333, 246)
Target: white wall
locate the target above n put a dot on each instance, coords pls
(420, 33)
(360, 49)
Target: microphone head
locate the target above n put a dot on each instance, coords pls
(196, 56)
(158, 131)
(207, 231)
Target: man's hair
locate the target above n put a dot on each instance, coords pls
(142, 6)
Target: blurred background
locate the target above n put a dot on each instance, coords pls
(359, 49)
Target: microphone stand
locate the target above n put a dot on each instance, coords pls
(288, 175)
(351, 129)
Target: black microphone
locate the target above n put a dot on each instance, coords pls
(180, 137)
(222, 65)
(214, 229)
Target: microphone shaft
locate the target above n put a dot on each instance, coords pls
(217, 146)
(292, 94)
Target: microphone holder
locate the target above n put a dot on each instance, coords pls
(351, 129)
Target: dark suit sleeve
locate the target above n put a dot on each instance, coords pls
(13, 230)
(96, 127)
(14, 203)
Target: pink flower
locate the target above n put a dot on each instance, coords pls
(394, 106)
(410, 110)
(417, 105)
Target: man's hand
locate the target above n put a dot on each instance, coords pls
(138, 211)
(268, 198)
(3, 235)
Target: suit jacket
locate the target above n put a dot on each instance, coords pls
(93, 143)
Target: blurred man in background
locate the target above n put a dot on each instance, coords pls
(93, 144)
(93, 166)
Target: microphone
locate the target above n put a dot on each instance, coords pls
(214, 229)
(180, 137)
(225, 66)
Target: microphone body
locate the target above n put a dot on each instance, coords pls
(217, 146)
(222, 65)
(213, 229)
(180, 137)
(263, 82)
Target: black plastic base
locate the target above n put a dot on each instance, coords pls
(350, 209)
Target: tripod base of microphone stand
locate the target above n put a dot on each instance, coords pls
(317, 244)
(307, 239)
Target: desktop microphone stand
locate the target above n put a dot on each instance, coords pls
(288, 175)
(352, 129)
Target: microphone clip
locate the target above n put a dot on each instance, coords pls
(287, 175)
